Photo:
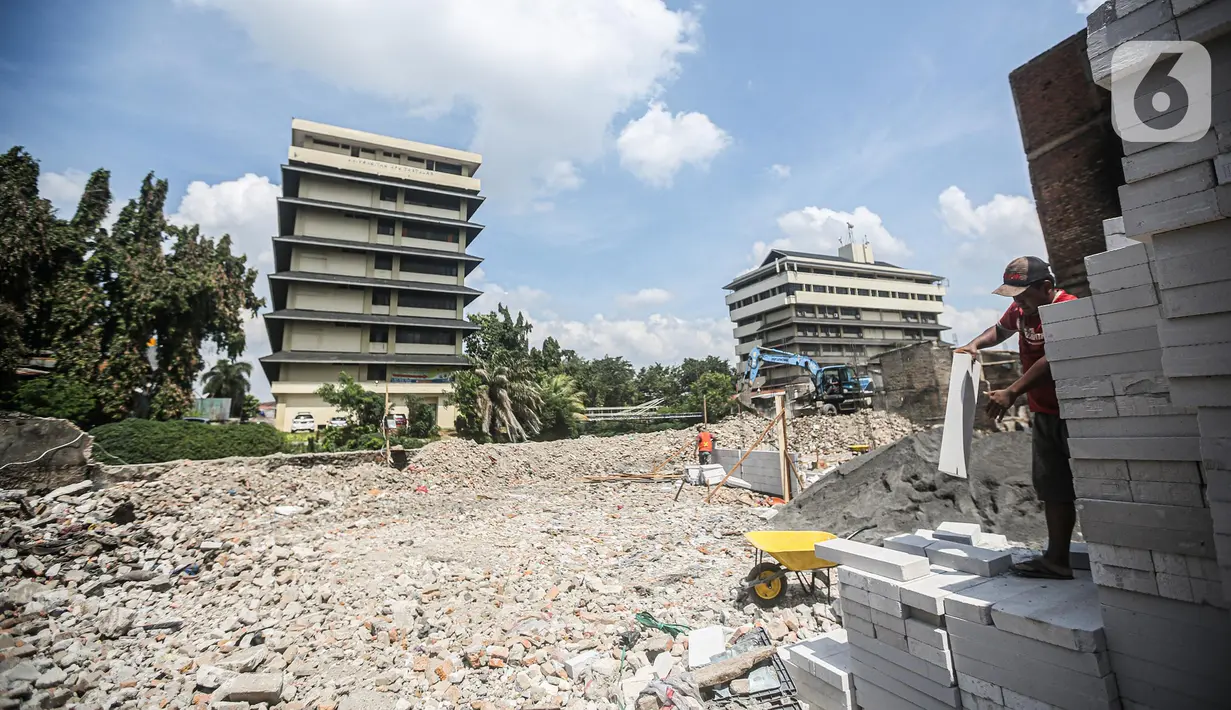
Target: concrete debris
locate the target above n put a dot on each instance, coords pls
(505, 586)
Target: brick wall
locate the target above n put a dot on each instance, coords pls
(915, 381)
(1072, 153)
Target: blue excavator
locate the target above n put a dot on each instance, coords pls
(838, 388)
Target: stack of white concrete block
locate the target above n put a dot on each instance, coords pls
(1151, 468)
(820, 669)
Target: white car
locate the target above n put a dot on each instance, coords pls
(338, 422)
(304, 421)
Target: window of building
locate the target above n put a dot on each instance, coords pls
(425, 336)
(367, 152)
(842, 290)
(417, 231)
(354, 151)
(850, 312)
(376, 373)
(416, 299)
(883, 294)
(863, 292)
(380, 296)
(388, 194)
(450, 168)
(331, 144)
(852, 330)
(428, 199)
(384, 226)
(383, 262)
(378, 334)
(352, 215)
(430, 266)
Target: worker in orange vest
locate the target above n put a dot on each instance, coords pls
(705, 446)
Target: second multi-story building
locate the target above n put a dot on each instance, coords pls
(837, 310)
(370, 266)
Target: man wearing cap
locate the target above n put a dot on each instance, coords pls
(1029, 282)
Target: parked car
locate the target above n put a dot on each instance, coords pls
(304, 421)
(338, 422)
(199, 420)
(400, 420)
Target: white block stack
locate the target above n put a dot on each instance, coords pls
(820, 668)
(1149, 446)
(901, 642)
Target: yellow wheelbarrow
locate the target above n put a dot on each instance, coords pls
(795, 552)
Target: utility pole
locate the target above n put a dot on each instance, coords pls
(780, 412)
(385, 422)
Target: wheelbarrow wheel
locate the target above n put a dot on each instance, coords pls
(771, 592)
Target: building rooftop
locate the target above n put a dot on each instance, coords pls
(301, 126)
(780, 254)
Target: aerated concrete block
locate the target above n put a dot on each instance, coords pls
(1127, 383)
(1201, 391)
(1108, 364)
(1120, 279)
(853, 608)
(946, 530)
(896, 624)
(1167, 158)
(898, 566)
(910, 544)
(936, 656)
(979, 688)
(1196, 300)
(1195, 330)
(1102, 489)
(1177, 183)
(1069, 329)
(1082, 387)
(925, 633)
(891, 638)
(858, 625)
(1066, 616)
(1178, 448)
(1132, 319)
(1117, 259)
(872, 583)
(1120, 556)
(1128, 341)
(1162, 517)
(1198, 360)
(927, 594)
(827, 657)
(1222, 168)
(872, 695)
(1214, 421)
(970, 559)
(1204, 24)
(1170, 644)
(1089, 408)
(1115, 225)
(885, 605)
(1091, 663)
(1192, 269)
(1182, 494)
(1174, 425)
(1065, 311)
(1115, 470)
(1151, 405)
(1212, 690)
(905, 682)
(1168, 471)
(1191, 618)
(1126, 299)
(1048, 683)
(1133, 580)
(974, 603)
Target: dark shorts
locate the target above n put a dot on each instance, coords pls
(704, 457)
(1051, 475)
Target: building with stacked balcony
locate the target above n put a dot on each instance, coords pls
(837, 310)
(370, 265)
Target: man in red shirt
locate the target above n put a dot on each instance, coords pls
(1029, 282)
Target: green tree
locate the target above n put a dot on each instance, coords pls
(713, 392)
(251, 409)
(421, 418)
(550, 358)
(125, 310)
(507, 402)
(228, 378)
(691, 370)
(465, 397)
(500, 339)
(606, 382)
(562, 408)
(56, 396)
(364, 407)
(659, 381)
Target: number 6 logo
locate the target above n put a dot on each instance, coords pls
(1160, 92)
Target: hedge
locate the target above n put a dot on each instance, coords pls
(148, 441)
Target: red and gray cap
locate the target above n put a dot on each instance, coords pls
(1021, 273)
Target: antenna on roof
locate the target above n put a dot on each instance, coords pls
(850, 234)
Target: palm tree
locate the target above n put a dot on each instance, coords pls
(508, 399)
(228, 378)
(562, 406)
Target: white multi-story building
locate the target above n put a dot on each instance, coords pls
(838, 310)
(370, 266)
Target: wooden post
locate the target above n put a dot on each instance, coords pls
(735, 468)
(705, 416)
(385, 423)
(780, 409)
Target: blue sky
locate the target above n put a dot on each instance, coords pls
(637, 155)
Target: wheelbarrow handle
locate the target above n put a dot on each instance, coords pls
(863, 529)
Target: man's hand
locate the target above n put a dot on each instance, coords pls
(968, 349)
(999, 402)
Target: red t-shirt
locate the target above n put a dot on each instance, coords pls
(1030, 345)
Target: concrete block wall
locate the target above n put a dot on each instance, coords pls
(761, 469)
(1143, 371)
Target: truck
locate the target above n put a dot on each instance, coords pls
(837, 388)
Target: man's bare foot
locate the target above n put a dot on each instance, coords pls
(1043, 568)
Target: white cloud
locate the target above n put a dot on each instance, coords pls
(1085, 7)
(992, 233)
(245, 208)
(658, 338)
(819, 229)
(541, 79)
(256, 340)
(780, 170)
(520, 298)
(967, 324)
(562, 176)
(644, 297)
(63, 189)
(656, 146)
